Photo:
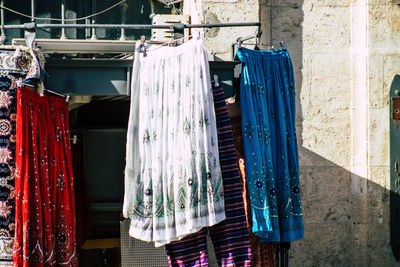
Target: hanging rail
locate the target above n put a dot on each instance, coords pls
(176, 26)
(104, 46)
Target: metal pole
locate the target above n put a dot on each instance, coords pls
(63, 35)
(87, 10)
(3, 34)
(132, 26)
(239, 24)
(124, 9)
(94, 37)
(90, 26)
(33, 10)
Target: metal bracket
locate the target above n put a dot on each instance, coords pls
(394, 110)
(30, 34)
(397, 179)
(30, 26)
(179, 30)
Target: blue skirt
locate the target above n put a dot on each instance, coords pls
(267, 100)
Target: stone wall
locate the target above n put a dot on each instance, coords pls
(219, 40)
(345, 54)
(383, 38)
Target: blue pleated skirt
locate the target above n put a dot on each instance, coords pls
(267, 99)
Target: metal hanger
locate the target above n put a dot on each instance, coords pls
(45, 91)
(268, 46)
(175, 42)
(258, 42)
(240, 41)
(216, 83)
(142, 46)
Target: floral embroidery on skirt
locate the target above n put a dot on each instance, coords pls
(173, 183)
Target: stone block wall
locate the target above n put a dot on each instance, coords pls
(220, 40)
(345, 54)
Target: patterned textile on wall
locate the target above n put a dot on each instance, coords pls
(13, 66)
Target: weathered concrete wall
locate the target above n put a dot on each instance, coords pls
(345, 54)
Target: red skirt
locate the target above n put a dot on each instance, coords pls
(44, 203)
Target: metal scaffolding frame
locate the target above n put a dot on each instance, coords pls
(92, 44)
(64, 45)
(90, 24)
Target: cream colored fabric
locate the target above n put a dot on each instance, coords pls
(173, 178)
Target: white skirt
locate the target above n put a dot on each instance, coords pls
(173, 182)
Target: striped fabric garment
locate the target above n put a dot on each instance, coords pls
(262, 253)
(230, 237)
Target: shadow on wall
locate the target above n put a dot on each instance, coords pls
(346, 217)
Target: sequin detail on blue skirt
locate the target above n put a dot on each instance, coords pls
(267, 99)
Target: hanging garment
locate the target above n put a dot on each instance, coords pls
(282, 254)
(44, 204)
(13, 66)
(173, 183)
(267, 100)
(262, 253)
(231, 237)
